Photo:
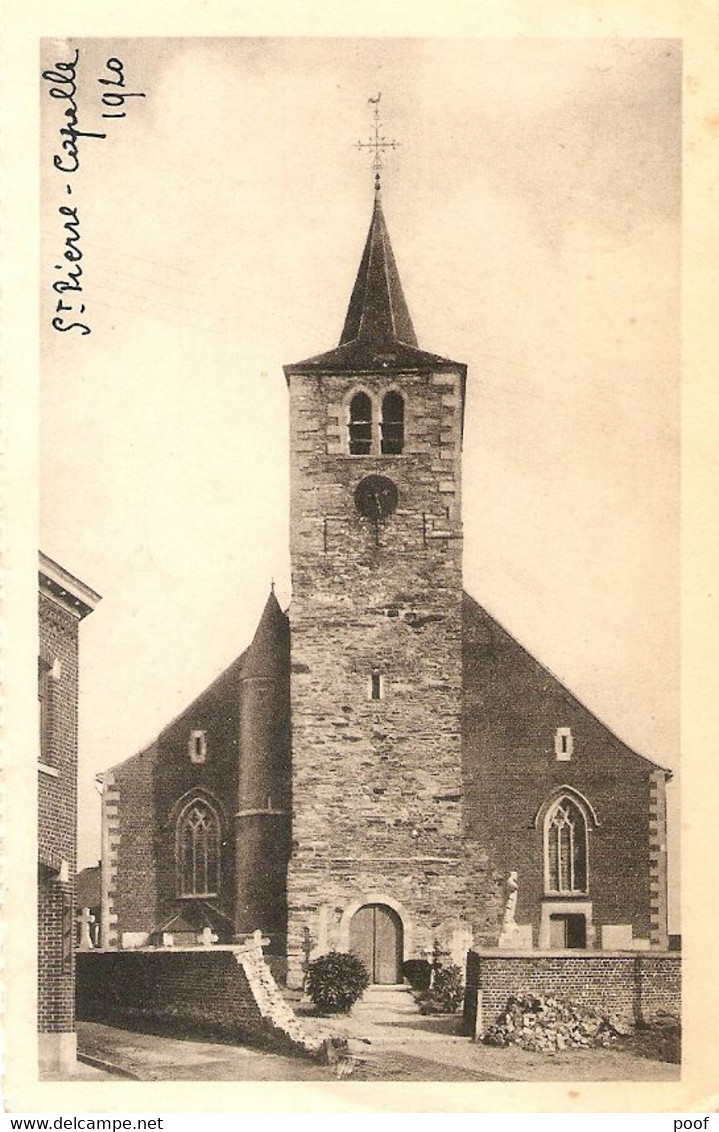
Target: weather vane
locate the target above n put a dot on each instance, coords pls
(378, 143)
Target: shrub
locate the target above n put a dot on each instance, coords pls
(418, 973)
(658, 1038)
(446, 994)
(335, 981)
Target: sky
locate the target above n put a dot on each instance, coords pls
(534, 211)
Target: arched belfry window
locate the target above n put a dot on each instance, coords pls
(392, 424)
(198, 845)
(565, 848)
(360, 425)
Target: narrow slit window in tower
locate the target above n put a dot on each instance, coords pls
(376, 687)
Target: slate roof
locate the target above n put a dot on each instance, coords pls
(378, 333)
(502, 679)
(265, 656)
(486, 644)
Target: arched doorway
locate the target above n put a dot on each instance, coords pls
(376, 938)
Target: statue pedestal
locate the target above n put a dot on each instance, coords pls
(516, 938)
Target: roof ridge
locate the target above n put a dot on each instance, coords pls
(563, 687)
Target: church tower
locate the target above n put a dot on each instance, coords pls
(376, 634)
(386, 768)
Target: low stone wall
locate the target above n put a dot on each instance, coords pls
(225, 991)
(636, 985)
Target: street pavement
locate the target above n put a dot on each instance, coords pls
(384, 1045)
(155, 1057)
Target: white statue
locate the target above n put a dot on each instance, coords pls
(509, 924)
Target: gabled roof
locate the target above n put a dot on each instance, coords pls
(378, 333)
(482, 635)
(267, 655)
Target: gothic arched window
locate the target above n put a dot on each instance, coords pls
(392, 424)
(198, 845)
(565, 847)
(360, 425)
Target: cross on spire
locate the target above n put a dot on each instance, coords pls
(379, 143)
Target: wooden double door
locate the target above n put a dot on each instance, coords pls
(376, 939)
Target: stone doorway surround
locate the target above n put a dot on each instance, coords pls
(372, 897)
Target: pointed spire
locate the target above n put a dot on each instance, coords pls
(378, 334)
(378, 315)
(267, 653)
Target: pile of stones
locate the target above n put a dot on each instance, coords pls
(547, 1025)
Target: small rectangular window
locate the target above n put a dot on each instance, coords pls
(198, 746)
(563, 744)
(376, 686)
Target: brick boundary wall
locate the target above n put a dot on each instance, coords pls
(224, 991)
(634, 985)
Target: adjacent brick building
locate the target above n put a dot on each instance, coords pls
(369, 773)
(63, 602)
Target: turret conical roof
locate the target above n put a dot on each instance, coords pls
(267, 655)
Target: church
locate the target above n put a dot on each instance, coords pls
(384, 770)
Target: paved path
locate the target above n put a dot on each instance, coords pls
(407, 1048)
(429, 1057)
(392, 1041)
(393, 1045)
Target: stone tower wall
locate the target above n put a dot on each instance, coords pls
(377, 785)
